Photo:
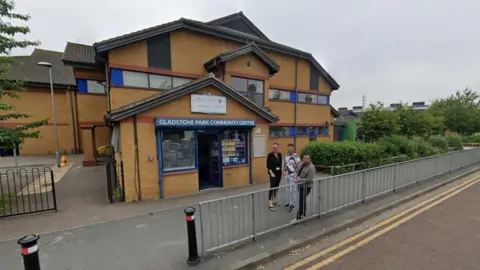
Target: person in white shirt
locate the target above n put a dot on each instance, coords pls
(291, 162)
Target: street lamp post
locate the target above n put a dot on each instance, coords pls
(57, 154)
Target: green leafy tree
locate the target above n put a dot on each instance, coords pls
(376, 122)
(414, 123)
(11, 137)
(460, 111)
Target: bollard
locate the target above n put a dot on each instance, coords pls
(29, 251)
(193, 257)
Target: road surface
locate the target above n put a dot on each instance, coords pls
(441, 232)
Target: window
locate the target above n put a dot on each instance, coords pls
(274, 94)
(178, 150)
(177, 81)
(307, 98)
(253, 89)
(160, 82)
(135, 79)
(279, 131)
(323, 131)
(234, 147)
(323, 99)
(302, 131)
(259, 145)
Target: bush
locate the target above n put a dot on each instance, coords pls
(455, 141)
(404, 145)
(342, 153)
(473, 139)
(439, 142)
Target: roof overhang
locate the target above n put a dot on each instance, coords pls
(249, 48)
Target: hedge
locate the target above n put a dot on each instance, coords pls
(364, 155)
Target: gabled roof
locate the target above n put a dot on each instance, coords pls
(25, 68)
(239, 22)
(219, 31)
(76, 53)
(249, 48)
(161, 98)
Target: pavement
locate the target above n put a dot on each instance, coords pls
(156, 239)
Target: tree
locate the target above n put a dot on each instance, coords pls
(460, 111)
(12, 137)
(376, 122)
(414, 123)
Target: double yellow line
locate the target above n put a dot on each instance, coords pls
(421, 207)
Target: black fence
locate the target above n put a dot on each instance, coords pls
(115, 181)
(24, 191)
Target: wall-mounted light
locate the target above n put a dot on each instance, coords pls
(249, 63)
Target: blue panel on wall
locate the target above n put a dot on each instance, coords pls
(316, 131)
(117, 77)
(82, 86)
(292, 131)
(293, 96)
(328, 99)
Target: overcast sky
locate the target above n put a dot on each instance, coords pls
(409, 50)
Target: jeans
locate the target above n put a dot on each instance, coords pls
(304, 191)
(291, 197)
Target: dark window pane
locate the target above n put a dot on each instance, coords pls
(239, 84)
(136, 79)
(302, 131)
(160, 82)
(178, 148)
(279, 131)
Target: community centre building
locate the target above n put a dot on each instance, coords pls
(194, 105)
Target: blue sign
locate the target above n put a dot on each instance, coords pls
(203, 123)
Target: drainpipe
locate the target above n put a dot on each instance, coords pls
(296, 102)
(74, 124)
(137, 160)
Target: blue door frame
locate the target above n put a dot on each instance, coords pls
(220, 167)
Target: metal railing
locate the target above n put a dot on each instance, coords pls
(231, 220)
(24, 191)
(115, 181)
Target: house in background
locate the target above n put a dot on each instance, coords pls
(36, 101)
(197, 105)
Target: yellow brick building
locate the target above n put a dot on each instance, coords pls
(193, 105)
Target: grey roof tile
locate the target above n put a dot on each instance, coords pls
(79, 53)
(25, 68)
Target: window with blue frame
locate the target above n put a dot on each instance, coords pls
(90, 86)
(178, 150)
(302, 131)
(322, 131)
(280, 132)
(146, 80)
(313, 99)
(234, 147)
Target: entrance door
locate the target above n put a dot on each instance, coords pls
(208, 160)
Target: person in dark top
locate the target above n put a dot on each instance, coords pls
(274, 168)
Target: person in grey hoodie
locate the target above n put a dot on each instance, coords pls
(305, 174)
